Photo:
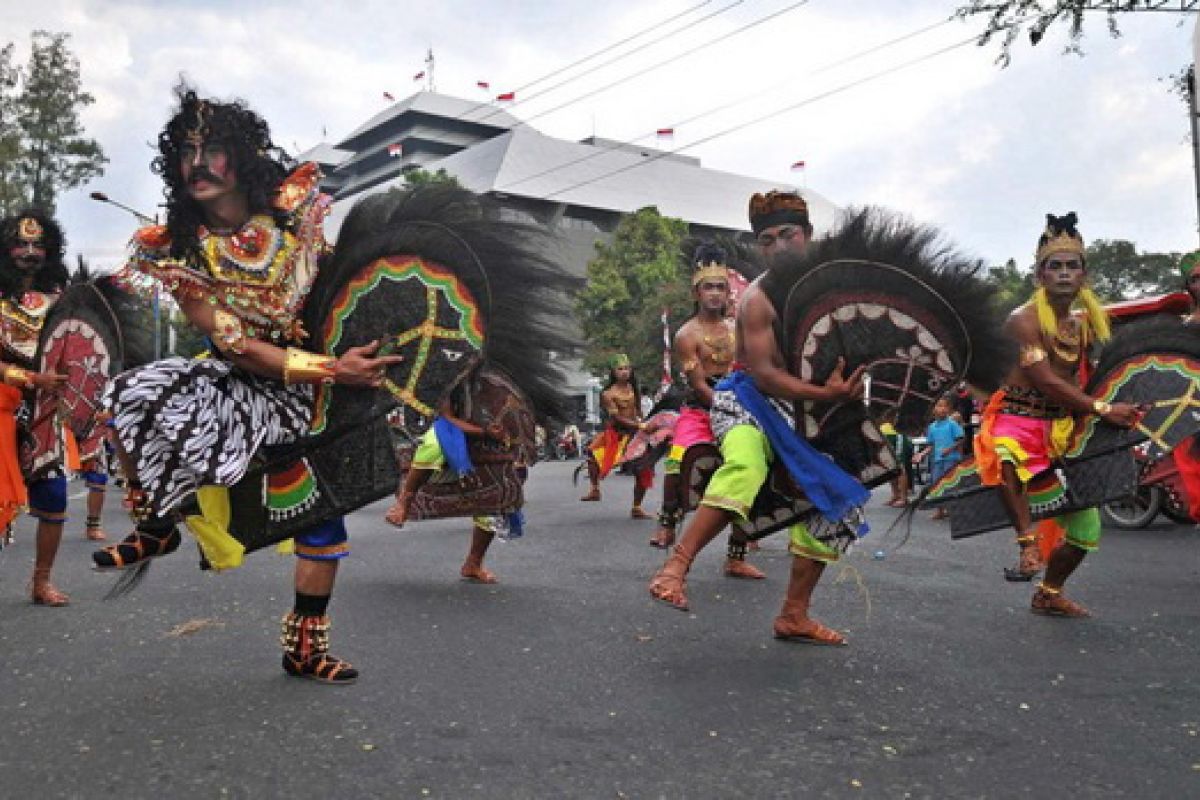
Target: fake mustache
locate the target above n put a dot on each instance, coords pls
(203, 174)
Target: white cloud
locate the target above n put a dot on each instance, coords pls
(956, 141)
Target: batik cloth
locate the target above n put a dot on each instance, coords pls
(188, 423)
(430, 455)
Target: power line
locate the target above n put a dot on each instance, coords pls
(624, 55)
(611, 47)
(601, 150)
(672, 59)
(583, 60)
(778, 112)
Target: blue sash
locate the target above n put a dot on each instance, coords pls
(834, 492)
(453, 442)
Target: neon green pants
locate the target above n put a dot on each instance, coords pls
(747, 457)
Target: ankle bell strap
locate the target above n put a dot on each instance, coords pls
(305, 636)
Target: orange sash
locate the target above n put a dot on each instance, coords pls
(13, 497)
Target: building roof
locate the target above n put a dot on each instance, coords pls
(525, 163)
(438, 105)
(325, 154)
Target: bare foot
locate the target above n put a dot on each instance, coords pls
(591, 497)
(477, 574)
(398, 514)
(94, 534)
(637, 512)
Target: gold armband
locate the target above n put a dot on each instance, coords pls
(15, 376)
(1101, 407)
(690, 365)
(300, 366)
(1032, 354)
(228, 334)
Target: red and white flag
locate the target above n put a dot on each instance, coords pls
(419, 76)
(666, 373)
(665, 133)
(798, 166)
(395, 149)
(388, 96)
(483, 85)
(507, 97)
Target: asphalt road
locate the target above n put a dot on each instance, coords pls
(566, 680)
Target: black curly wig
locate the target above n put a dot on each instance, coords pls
(260, 165)
(53, 275)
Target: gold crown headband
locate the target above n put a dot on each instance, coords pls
(710, 272)
(1059, 243)
(29, 230)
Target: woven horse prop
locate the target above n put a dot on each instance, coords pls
(1153, 363)
(95, 330)
(881, 293)
(436, 276)
(496, 485)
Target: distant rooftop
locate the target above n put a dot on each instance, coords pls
(612, 177)
(437, 105)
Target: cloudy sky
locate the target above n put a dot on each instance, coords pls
(954, 140)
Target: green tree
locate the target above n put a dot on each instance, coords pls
(1013, 285)
(52, 153)
(1119, 272)
(421, 176)
(12, 194)
(1011, 17)
(1116, 270)
(629, 282)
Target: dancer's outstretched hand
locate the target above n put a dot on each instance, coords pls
(845, 388)
(358, 366)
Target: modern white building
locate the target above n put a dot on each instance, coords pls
(580, 190)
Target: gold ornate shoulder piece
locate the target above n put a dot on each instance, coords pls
(1031, 354)
(152, 237)
(299, 187)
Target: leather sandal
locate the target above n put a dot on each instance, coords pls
(809, 632)
(1029, 564)
(669, 584)
(43, 593)
(737, 568)
(1051, 603)
(135, 548)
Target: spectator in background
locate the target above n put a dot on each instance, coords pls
(943, 445)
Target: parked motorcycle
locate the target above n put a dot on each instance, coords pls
(1160, 490)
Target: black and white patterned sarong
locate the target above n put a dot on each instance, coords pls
(190, 423)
